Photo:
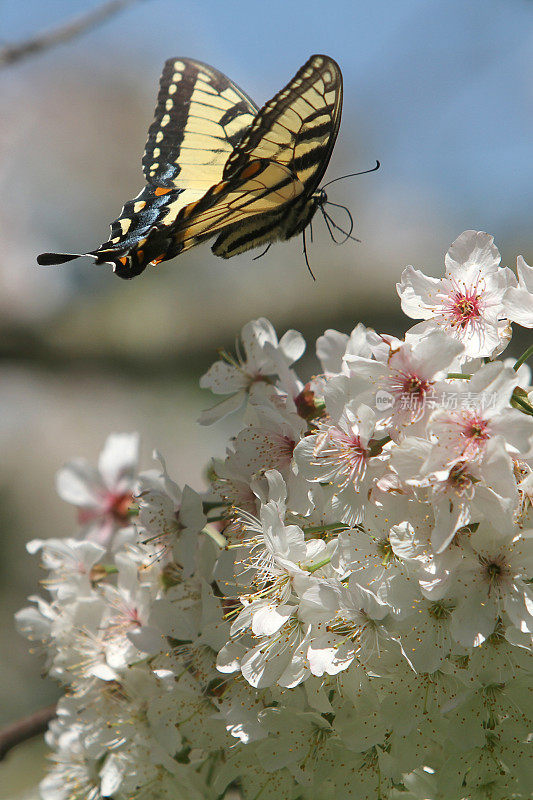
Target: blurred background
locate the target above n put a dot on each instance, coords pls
(440, 91)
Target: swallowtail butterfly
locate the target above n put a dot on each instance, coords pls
(216, 165)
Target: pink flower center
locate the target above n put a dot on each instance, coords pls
(118, 505)
(286, 447)
(476, 428)
(464, 305)
(476, 433)
(113, 505)
(348, 454)
(411, 391)
(414, 385)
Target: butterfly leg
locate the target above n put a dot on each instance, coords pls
(305, 255)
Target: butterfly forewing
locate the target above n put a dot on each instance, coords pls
(257, 191)
(200, 118)
(298, 127)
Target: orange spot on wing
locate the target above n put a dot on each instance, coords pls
(156, 261)
(252, 169)
(123, 260)
(140, 254)
(161, 190)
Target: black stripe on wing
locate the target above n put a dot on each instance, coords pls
(249, 234)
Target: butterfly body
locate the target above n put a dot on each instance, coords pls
(217, 166)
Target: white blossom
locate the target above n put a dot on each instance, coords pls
(518, 300)
(103, 495)
(263, 359)
(346, 610)
(468, 302)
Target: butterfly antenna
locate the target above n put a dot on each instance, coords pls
(305, 255)
(347, 234)
(354, 174)
(327, 220)
(265, 251)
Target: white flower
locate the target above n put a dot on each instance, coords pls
(350, 626)
(333, 348)
(104, 495)
(518, 300)
(404, 380)
(296, 741)
(370, 561)
(278, 659)
(464, 492)
(277, 554)
(130, 605)
(468, 302)
(169, 517)
(343, 452)
(485, 580)
(480, 412)
(267, 443)
(264, 358)
(70, 562)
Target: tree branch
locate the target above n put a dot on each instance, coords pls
(63, 33)
(25, 728)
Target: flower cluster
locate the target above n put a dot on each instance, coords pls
(347, 611)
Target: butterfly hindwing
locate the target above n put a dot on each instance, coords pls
(199, 118)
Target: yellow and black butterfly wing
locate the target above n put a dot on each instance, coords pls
(294, 133)
(199, 118)
(262, 189)
(299, 126)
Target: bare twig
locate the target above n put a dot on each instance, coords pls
(63, 33)
(25, 728)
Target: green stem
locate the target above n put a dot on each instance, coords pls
(524, 357)
(334, 526)
(460, 376)
(313, 567)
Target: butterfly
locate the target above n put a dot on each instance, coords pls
(216, 165)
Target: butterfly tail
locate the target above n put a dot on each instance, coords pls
(48, 259)
(128, 258)
(125, 265)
